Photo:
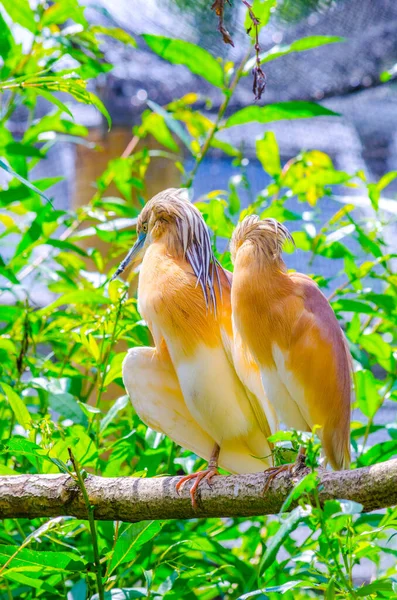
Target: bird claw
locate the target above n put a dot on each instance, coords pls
(205, 475)
(272, 472)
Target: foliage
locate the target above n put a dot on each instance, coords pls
(60, 368)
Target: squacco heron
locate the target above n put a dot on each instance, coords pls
(197, 385)
(294, 336)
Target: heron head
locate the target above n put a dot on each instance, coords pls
(170, 216)
(268, 236)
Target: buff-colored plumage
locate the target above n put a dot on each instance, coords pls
(197, 385)
(293, 334)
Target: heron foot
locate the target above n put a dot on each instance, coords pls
(272, 472)
(205, 475)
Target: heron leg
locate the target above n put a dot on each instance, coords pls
(206, 475)
(272, 472)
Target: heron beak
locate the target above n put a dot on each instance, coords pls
(132, 255)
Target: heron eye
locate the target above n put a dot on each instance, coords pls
(144, 227)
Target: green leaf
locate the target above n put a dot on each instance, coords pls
(262, 10)
(20, 12)
(126, 594)
(306, 485)
(283, 587)
(268, 154)
(35, 562)
(155, 124)
(386, 180)
(95, 101)
(79, 297)
(225, 147)
(119, 405)
(113, 225)
(6, 39)
(172, 123)
(64, 245)
(298, 109)
(378, 453)
(66, 405)
(116, 33)
(132, 538)
(374, 344)
(380, 585)
(114, 371)
(53, 99)
(18, 407)
(306, 43)
(34, 582)
(367, 393)
(18, 149)
(196, 59)
(286, 528)
(27, 183)
(62, 10)
(374, 189)
(357, 306)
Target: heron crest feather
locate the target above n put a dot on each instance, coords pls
(194, 238)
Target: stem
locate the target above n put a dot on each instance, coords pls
(228, 93)
(115, 538)
(109, 349)
(366, 435)
(335, 556)
(90, 514)
(259, 83)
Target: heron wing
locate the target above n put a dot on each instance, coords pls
(246, 367)
(316, 370)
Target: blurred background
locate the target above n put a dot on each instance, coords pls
(345, 77)
(353, 78)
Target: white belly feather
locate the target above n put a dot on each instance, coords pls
(285, 393)
(214, 395)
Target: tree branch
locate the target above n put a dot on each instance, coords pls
(131, 499)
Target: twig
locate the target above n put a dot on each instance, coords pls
(219, 8)
(218, 119)
(90, 514)
(259, 83)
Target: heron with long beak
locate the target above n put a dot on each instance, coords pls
(293, 334)
(196, 385)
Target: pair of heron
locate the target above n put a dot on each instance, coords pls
(234, 354)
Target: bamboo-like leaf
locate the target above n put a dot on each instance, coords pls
(116, 33)
(286, 528)
(172, 123)
(306, 43)
(20, 12)
(27, 183)
(298, 109)
(268, 154)
(18, 406)
(134, 536)
(196, 59)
